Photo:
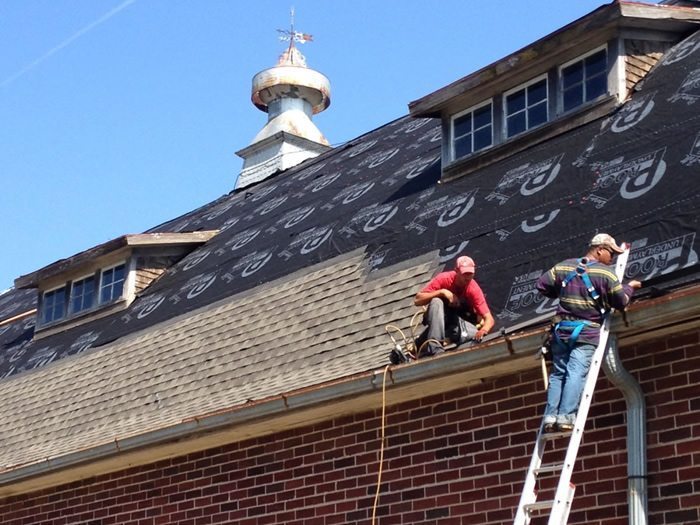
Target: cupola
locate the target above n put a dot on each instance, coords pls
(290, 93)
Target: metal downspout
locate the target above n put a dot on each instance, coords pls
(636, 433)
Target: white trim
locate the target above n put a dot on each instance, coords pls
(618, 71)
(504, 133)
(471, 109)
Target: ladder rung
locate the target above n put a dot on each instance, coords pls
(549, 468)
(555, 435)
(539, 505)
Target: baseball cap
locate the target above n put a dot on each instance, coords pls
(603, 239)
(465, 264)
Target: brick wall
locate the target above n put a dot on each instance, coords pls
(458, 458)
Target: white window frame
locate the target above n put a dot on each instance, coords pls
(472, 109)
(521, 87)
(43, 304)
(102, 272)
(95, 300)
(560, 78)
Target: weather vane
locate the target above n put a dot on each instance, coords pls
(294, 36)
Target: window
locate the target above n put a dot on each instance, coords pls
(584, 80)
(82, 294)
(526, 107)
(472, 131)
(54, 305)
(112, 284)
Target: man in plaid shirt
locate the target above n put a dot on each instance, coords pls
(587, 289)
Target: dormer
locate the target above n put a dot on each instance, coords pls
(573, 76)
(104, 279)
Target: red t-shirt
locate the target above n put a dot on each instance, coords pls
(472, 292)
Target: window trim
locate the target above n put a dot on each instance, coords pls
(560, 79)
(520, 87)
(471, 109)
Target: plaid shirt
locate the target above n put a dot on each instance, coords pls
(575, 302)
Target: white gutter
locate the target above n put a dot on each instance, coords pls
(636, 434)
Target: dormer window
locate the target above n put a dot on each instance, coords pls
(584, 80)
(112, 283)
(567, 79)
(526, 106)
(472, 130)
(106, 278)
(53, 307)
(82, 294)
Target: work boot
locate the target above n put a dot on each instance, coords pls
(566, 423)
(549, 424)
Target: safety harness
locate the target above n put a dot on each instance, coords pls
(578, 325)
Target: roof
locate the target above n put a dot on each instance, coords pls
(311, 264)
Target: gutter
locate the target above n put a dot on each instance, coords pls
(637, 496)
(479, 362)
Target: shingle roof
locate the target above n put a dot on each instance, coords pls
(300, 331)
(297, 287)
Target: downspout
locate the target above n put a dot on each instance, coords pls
(636, 433)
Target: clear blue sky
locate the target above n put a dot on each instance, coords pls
(117, 115)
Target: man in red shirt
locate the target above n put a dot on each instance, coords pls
(456, 305)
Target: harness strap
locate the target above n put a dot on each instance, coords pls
(577, 326)
(581, 271)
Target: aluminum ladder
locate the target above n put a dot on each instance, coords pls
(559, 507)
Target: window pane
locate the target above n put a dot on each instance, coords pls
(516, 124)
(482, 117)
(106, 294)
(515, 102)
(463, 146)
(54, 305)
(596, 86)
(537, 92)
(112, 284)
(573, 97)
(463, 125)
(596, 64)
(82, 294)
(572, 74)
(482, 138)
(537, 114)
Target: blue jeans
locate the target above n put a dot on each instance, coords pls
(566, 381)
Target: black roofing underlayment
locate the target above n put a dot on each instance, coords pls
(634, 174)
